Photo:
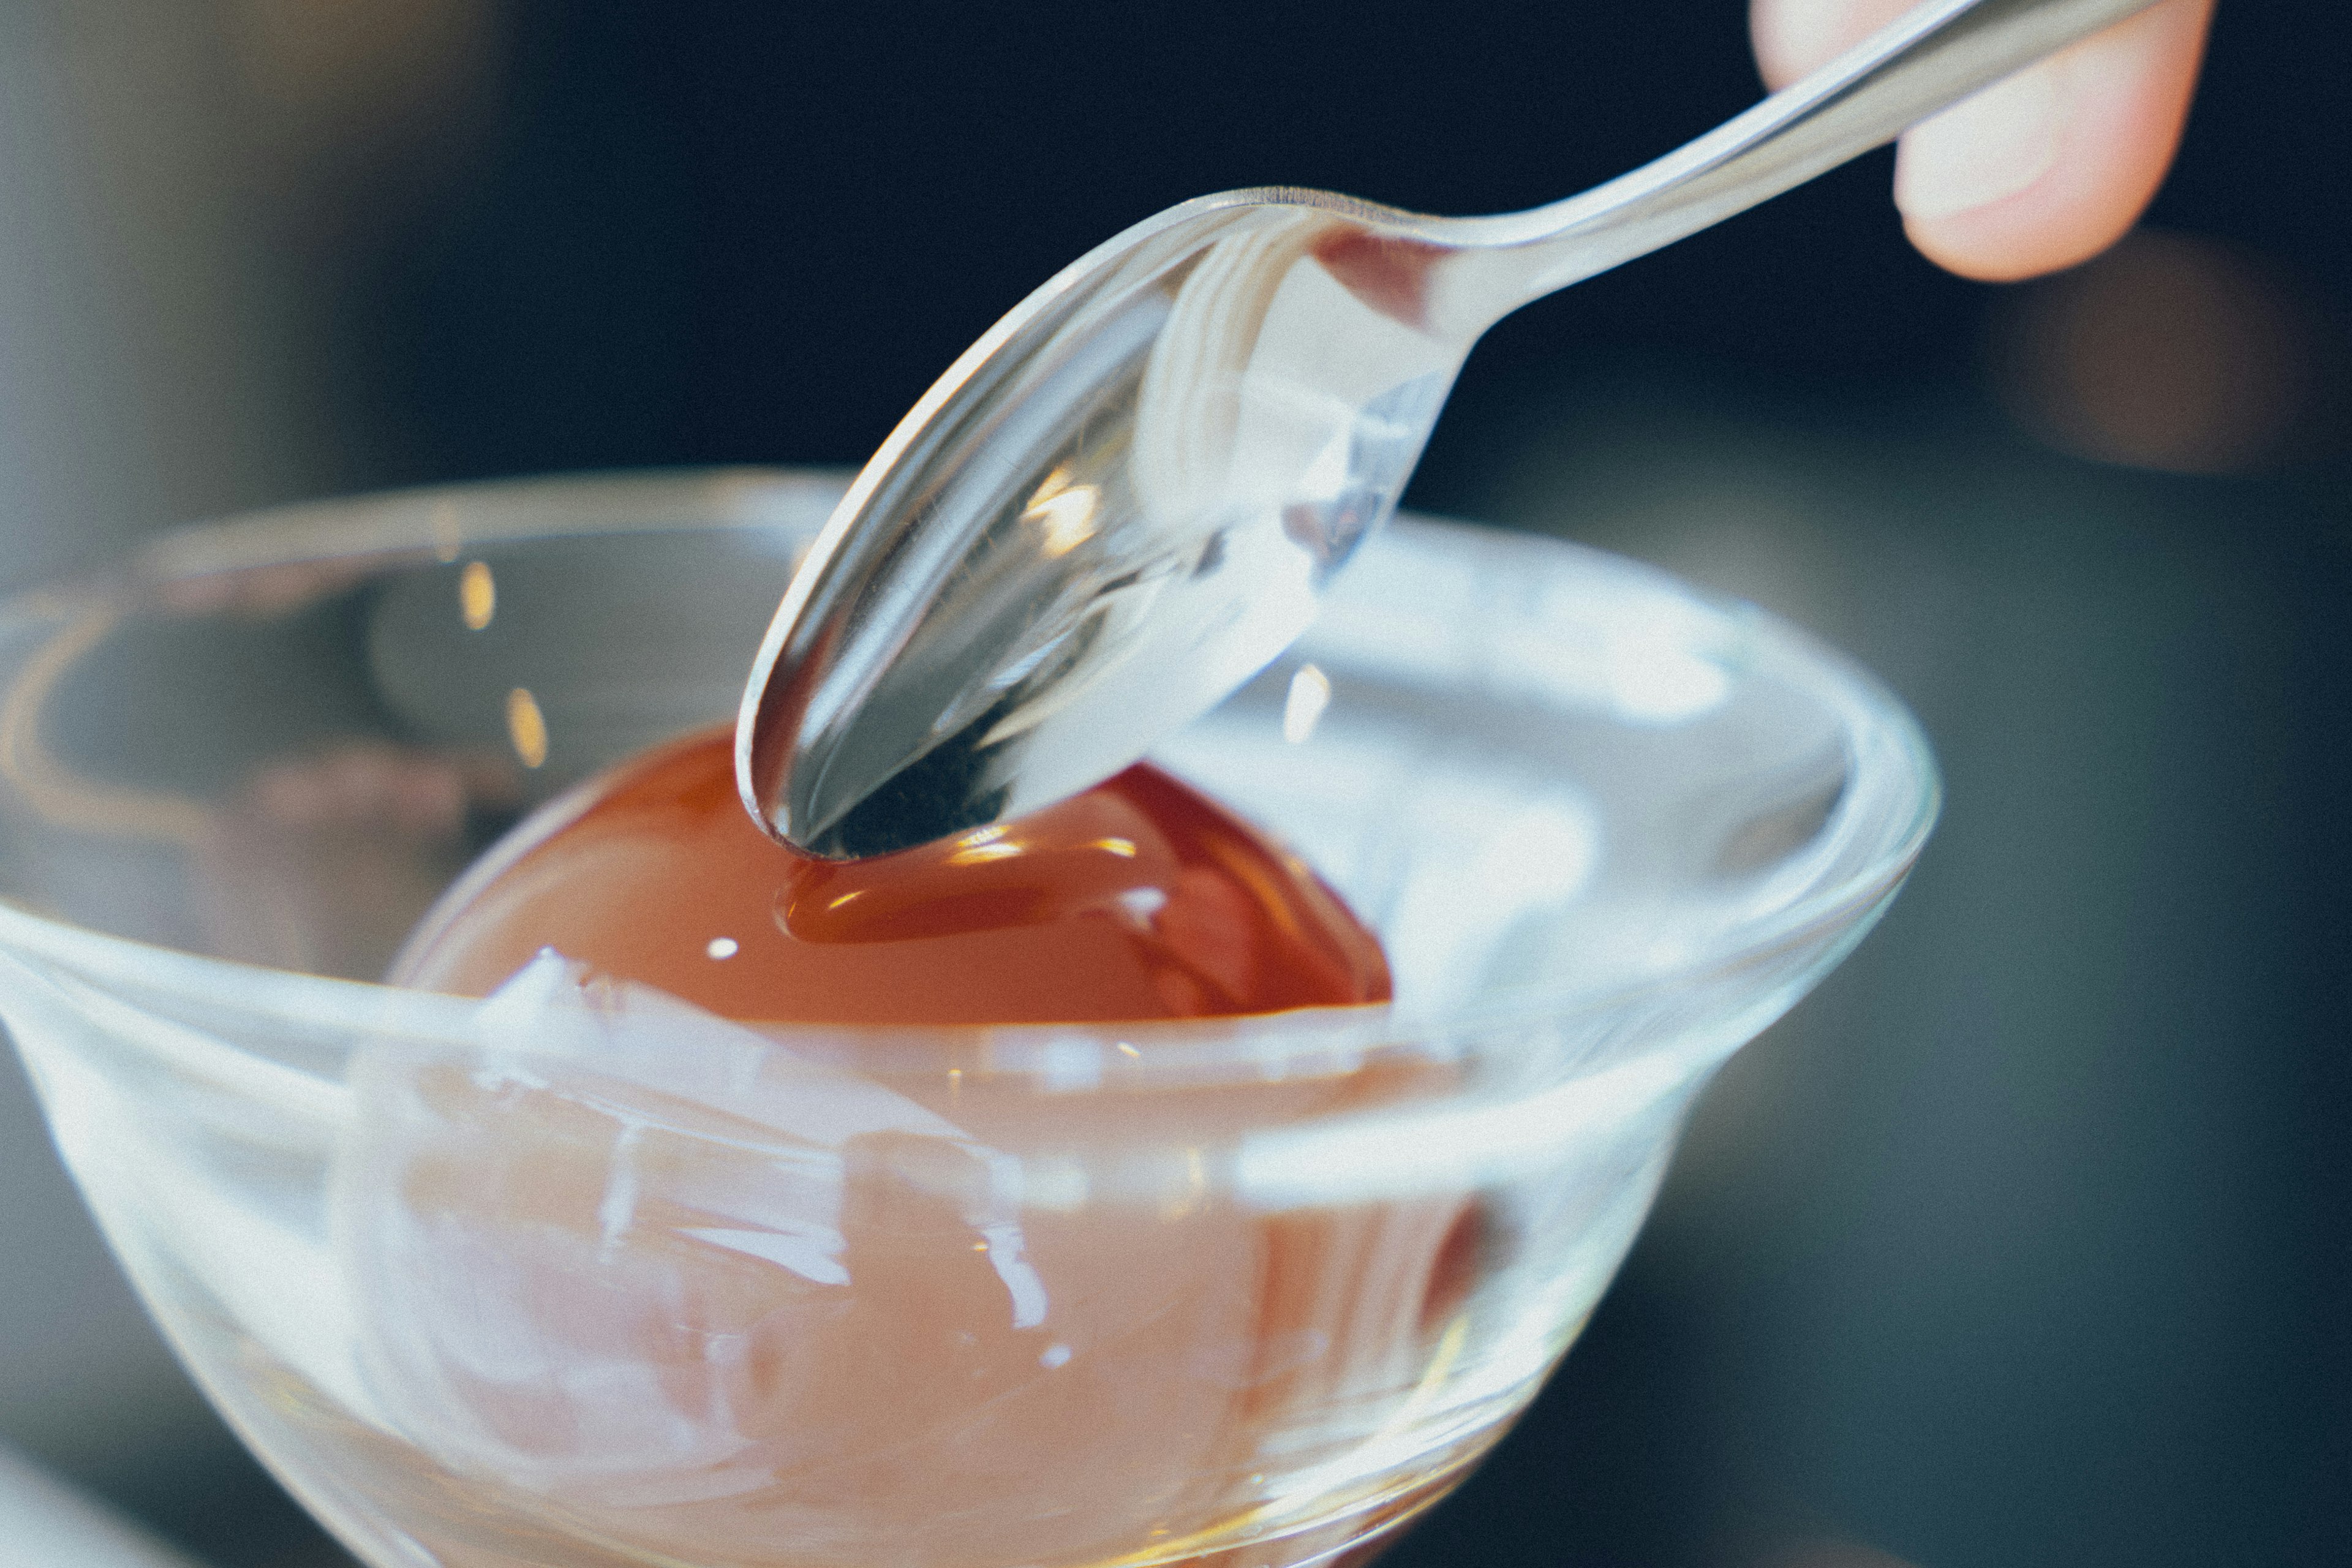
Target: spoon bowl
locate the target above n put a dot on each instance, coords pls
(1128, 496)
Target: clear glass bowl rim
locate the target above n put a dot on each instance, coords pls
(517, 509)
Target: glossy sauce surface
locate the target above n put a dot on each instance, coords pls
(1139, 899)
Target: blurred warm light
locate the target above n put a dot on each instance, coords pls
(478, 594)
(2172, 351)
(330, 85)
(525, 727)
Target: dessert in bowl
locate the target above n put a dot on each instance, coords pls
(582, 1272)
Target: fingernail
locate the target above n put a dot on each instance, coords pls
(1983, 148)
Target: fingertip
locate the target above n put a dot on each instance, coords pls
(2048, 168)
(2062, 219)
(1999, 188)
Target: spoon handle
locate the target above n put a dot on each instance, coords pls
(1927, 59)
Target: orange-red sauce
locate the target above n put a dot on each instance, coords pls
(1139, 899)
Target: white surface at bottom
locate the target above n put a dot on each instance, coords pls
(44, 1523)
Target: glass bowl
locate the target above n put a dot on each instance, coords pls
(579, 1275)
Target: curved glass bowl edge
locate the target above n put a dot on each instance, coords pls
(637, 501)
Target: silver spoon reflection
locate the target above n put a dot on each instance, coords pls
(1125, 499)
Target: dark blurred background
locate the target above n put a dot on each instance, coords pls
(2024, 1241)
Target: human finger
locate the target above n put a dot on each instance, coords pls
(2037, 172)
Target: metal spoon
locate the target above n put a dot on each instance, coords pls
(1125, 499)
